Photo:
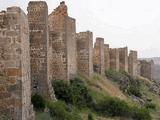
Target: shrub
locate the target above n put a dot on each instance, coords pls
(140, 114)
(75, 93)
(127, 83)
(90, 116)
(38, 102)
(149, 105)
(113, 107)
(60, 111)
(118, 108)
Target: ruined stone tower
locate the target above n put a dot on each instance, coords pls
(84, 53)
(147, 69)
(133, 63)
(62, 35)
(39, 48)
(15, 82)
(114, 59)
(98, 56)
(106, 57)
(123, 59)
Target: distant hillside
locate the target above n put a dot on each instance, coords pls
(155, 59)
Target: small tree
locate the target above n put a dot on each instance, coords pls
(38, 102)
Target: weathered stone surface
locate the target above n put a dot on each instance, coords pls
(39, 48)
(15, 90)
(106, 57)
(133, 63)
(85, 53)
(98, 56)
(114, 59)
(123, 59)
(147, 69)
(62, 35)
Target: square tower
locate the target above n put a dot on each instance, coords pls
(15, 81)
(85, 53)
(98, 56)
(123, 59)
(133, 63)
(39, 48)
(62, 41)
(106, 57)
(114, 59)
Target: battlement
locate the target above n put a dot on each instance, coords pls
(61, 10)
(84, 34)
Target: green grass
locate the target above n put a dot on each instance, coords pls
(42, 116)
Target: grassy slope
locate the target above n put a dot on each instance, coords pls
(155, 99)
(101, 87)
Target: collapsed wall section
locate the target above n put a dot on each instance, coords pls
(62, 40)
(85, 53)
(147, 69)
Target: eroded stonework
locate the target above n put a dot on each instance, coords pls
(85, 53)
(106, 57)
(62, 40)
(114, 59)
(39, 49)
(98, 56)
(133, 63)
(15, 81)
(123, 59)
(147, 69)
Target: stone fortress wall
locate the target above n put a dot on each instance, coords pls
(15, 84)
(62, 40)
(39, 48)
(85, 53)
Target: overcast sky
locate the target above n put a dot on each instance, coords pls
(132, 23)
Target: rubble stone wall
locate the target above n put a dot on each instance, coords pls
(123, 59)
(85, 53)
(98, 56)
(133, 63)
(106, 57)
(39, 48)
(62, 35)
(147, 69)
(15, 81)
(114, 59)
